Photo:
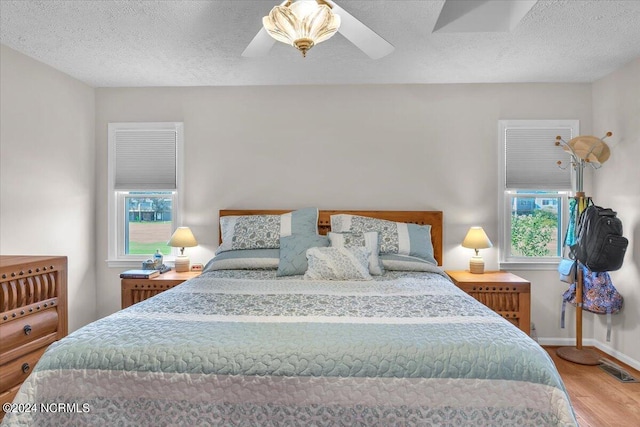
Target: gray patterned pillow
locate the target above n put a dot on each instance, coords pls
(368, 240)
(338, 264)
(395, 237)
(264, 231)
(256, 232)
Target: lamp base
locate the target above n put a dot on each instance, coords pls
(476, 265)
(182, 263)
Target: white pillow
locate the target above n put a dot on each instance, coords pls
(368, 240)
(337, 264)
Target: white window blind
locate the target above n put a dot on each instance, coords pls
(531, 155)
(145, 159)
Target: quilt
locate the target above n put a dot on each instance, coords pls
(243, 348)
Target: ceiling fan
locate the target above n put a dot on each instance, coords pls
(304, 23)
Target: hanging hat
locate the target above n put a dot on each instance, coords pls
(590, 148)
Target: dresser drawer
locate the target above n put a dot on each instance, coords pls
(29, 328)
(16, 371)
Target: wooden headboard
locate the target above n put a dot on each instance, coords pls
(433, 218)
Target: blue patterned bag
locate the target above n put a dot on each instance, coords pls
(598, 295)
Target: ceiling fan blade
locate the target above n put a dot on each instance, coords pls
(260, 45)
(360, 35)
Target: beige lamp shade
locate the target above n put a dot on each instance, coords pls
(476, 239)
(182, 238)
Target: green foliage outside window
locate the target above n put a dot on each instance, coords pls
(532, 233)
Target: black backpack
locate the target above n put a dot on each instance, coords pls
(600, 245)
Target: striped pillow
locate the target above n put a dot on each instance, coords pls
(337, 264)
(368, 240)
(264, 231)
(395, 237)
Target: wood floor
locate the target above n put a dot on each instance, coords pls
(598, 399)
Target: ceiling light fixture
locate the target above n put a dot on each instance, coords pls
(302, 23)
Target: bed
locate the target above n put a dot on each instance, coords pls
(253, 346)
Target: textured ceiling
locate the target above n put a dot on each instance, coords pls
(199, 43)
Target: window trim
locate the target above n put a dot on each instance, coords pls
(504, 208)
(116, 223)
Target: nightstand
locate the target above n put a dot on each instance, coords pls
(503, 292)
(136, 290)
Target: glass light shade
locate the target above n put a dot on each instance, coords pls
(182, 238)
(302, 24)
(476, 238)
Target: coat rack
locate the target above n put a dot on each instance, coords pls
(592, 151)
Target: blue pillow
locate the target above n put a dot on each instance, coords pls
(406, 263)
(293, 252)
(247, 259)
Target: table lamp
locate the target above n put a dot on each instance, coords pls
(182, 238)
(476, 239)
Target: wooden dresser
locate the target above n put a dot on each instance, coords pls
(33, 314)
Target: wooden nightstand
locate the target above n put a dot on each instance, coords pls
(136, 290)
(503, 292)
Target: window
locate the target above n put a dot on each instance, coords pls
(534, 203)
(147, 222)
(144, 189)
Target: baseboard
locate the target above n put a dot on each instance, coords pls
(570, 342)
(590, 342)
(635, 364)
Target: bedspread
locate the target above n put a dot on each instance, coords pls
(247, 348)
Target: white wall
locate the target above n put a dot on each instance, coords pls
(47, 174)
(616, 108)
(359, 147)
